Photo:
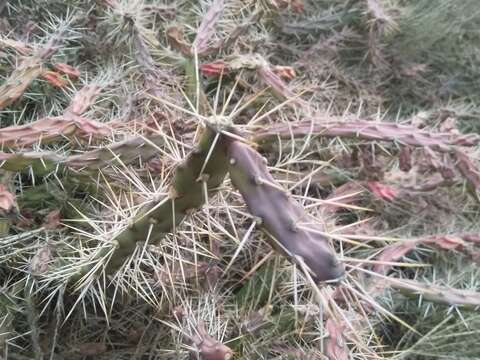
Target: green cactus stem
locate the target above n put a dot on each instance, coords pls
(280, 216)
(204, 168)
(435, 293)
(42, 163)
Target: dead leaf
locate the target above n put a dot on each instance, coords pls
(54, 79)
(68, 70)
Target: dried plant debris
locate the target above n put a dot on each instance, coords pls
(275, 179)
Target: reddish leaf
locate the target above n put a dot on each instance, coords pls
(445, 242)
(393, 253)
(382, 191)
(54, 79)
(280, 4)
(285, 72)
(176, 39)
(214, 68)
(68, 70)
(405, 159)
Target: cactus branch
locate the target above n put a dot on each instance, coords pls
(279, 216)
(51, 129)
(207, 163)
(208, 347)
(207, 27)
(436, 293)
(396, 251)
(367, 130)
(468, 169)
(126, 151)
(29, 69)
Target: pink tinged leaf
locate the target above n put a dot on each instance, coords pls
(215, 68)
(68, 70)
(54, 79)
(445, 242)
(382, 191)
(392, 253)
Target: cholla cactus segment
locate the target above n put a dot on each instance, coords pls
(459, 242)
(27, 71)
(31, 67)
(468, 169)
(207, 27)
(40, 162)
(7, 310)
(436, 293)
(208, 347)
(198, 175)
(124, 152)
(367, 130)
(59, 127)
(279, 87)
(83, 99)
(51, 129)
(285, 221)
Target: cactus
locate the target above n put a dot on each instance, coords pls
(280, 216)
(7, 310)
(42, 163)
(207, 347)
(27, 71)
(469, 171)
(366, 130)
(204, 168)
(436, 293)
(207, 28)
(396, 251)
(51, 129)
(30, 69)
